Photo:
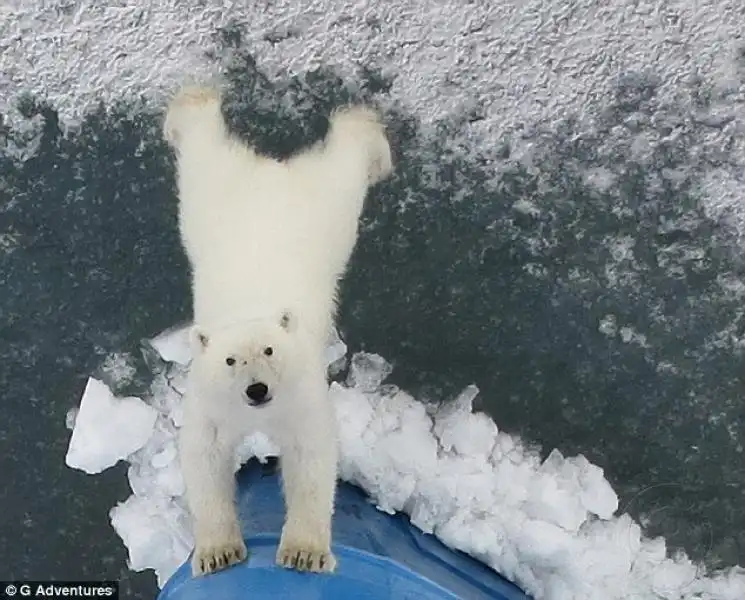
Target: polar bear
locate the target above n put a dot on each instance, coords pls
(267, 242)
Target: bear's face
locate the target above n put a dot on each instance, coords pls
(246, 362)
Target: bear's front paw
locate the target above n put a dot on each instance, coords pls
(191, 106)
(305, 557)
(195, 96)
(212, 557)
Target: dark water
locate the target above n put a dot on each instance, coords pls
(451, 281)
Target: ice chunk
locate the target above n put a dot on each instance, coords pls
(597, 494)
(70, 418)
(145, 480)
(165, 457)
(177, 378)
(336, 353)
(156, 533)
(560, 493)
(542, 543)
(583, 481)
(368, 371)
(163, 396)
(353, 413)
(107, 429)
(155, 470)
(385, 442)
(456, 484)
(673, 577)
(550, 500)
(173, 345)
(462, 431)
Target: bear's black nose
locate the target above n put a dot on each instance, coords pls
(257, 393)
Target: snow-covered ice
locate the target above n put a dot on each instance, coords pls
(551, 526)
(503, 69)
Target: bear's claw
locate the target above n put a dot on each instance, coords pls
(304, 559)
(212, 558)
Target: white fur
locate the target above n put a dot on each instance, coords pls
(267, 242)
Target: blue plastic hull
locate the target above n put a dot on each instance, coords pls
(380, 557)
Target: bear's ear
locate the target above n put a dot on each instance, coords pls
(287, 321)
(199, 339)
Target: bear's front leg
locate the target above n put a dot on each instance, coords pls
(309, 471)
(206, 464)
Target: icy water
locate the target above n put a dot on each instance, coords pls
(588, 278)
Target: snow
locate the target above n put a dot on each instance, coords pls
(504, 70)
(518, 62)
(107, 429)
(552, 526)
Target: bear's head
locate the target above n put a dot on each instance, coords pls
(247, 361)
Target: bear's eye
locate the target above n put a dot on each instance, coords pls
(230, 361)
(268, 351)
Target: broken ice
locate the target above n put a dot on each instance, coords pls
(107, 429)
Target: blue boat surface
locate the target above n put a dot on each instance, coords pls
(380, 556)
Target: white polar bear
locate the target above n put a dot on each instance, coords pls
(267, 242)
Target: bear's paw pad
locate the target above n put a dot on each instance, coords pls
(215, 557)
(303, 558)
